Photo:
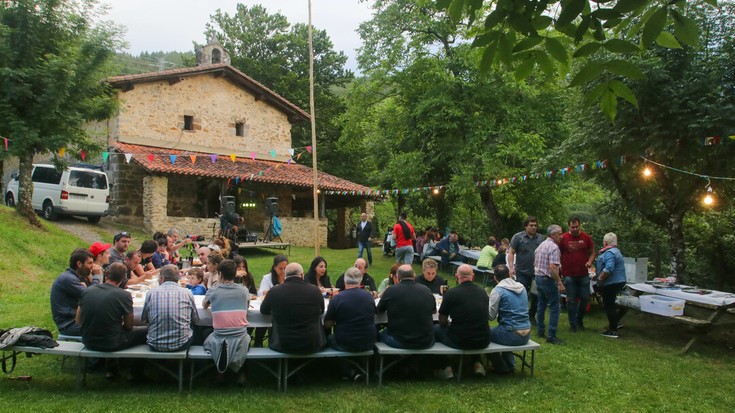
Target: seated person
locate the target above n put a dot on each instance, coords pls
(410, 308)
(132, 263)
(212, 277)
(101, 253)
(68, 288)
(429, 277)
(105, 314)
(487, 254)
(501, 257)
(390, 280)
(243, 275)
(229, 342)
(276, 276)
(352, 314)
(509, 304)
(469, 330)
(367, 281)
(317, 274)
(448, 249)
(196, 280)
(169, 311)
(160, 257)
(147, 250)
(296, 307)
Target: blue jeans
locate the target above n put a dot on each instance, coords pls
(577, 288)
(404, 254)
(532, 298)
(548, 296)
(505, 362)
(365, 246)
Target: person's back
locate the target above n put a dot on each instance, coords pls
(102, 308)
(410, 307)
(352, 312)
(67, 290)
(467, 306)
(487, 255)
(296, 307)
(169, 311)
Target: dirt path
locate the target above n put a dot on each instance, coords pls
(104, 231)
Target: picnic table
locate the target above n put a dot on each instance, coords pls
(470, 254)
(713, 304)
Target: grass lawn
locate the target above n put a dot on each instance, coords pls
(642, 371)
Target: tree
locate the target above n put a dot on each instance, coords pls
(428, 117)
(271, 50)
(53, 62)
(686, 96)
(522, 35)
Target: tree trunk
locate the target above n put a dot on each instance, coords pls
(25, 189)
(491, 211)
(675, 227)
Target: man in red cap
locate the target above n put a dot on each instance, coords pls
(101, 253)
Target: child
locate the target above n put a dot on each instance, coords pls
(243, 275)
(196, 277)
(160, 257)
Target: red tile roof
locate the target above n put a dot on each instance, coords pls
(239, 78)
(246, 169)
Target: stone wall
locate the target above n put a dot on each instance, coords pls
(300, 231)
(126, 192)
(153, 114)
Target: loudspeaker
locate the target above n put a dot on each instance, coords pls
(271, 205)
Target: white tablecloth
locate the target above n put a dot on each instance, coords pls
(471, 254)
(718, 298)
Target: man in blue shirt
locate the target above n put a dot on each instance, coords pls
(169, 311)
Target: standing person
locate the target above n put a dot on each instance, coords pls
(546, 266)
(610, 280)
(169, 311)
(67, 290)
(429, 278)
(467, 306)
(520, 258)
(229, 341)
(410, 308)
(297, 308)
(577, 254)
(317, 274)
(404, 235)
(365, 232)
(509, 305)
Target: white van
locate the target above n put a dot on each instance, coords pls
(75, 191)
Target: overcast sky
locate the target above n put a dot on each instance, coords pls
(172, 25)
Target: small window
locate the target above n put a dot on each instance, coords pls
(240, 129)
(85, 179)
(188, 122)
(216, 56)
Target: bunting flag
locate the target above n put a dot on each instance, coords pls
(173, 159)
(193, 159)
(83, 153)
(151, 158)
(128, 156)
(289, 161)
(299, 156)
(252, 155)
(105, 155)
(213, 158)
(273, 153)
(5, 140)
(233, 157)
(62, 151)
(308, 149)
(228, 181)
(291, 152)
(237, 180)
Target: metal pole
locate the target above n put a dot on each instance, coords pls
(313, 138)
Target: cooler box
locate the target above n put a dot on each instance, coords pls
(661, 305)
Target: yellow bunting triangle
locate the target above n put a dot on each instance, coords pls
(232, 156)
(62, 151)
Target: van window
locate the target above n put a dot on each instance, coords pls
(84, 179)
(46, 175)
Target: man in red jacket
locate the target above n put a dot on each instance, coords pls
(577, 254)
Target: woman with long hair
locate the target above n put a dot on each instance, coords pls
(317, 274)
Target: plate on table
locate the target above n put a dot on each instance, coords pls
(695, 291)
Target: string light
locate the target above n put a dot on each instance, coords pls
(647, 171)
(436, 191)
(709, 199)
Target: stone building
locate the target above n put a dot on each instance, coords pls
(172, 144)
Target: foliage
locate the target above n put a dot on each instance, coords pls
(685, 97)
(524, 35)
(53, 62)
(151, 61)
(268, 48)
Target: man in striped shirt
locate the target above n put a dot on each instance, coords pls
(546, 265)
(170, 311)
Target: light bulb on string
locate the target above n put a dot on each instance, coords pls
(436, 191)
(646, 172)
(709, 198)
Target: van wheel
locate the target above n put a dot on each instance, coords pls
(93, 220)
(9, 200)
(48, 211)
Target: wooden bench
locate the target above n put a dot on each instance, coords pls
(440, 349)
(136, 352)
(282, 372)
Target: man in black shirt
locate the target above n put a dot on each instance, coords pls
(429, 277)
(467, 305)
(410, 308)
(367, 280)
(297, 308)
(106, 314)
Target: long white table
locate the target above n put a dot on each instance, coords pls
(716, 298)
(255, 317)
(471, 254)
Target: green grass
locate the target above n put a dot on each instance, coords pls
(640, 372)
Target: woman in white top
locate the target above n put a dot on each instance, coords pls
(276, 275)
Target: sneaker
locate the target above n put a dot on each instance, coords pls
(444, 374)
(554, 340)
(479, 369)
(358, 377)
(620, 326)
(610, 334)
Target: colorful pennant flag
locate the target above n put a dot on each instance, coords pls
(173, 159)
(127, 157)
(83, 153)
(151, 158)
(233, 156)
(273, 153)
(308, 149)
(193, 158)
(62, 151)
(105, 155)
(213, 158)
